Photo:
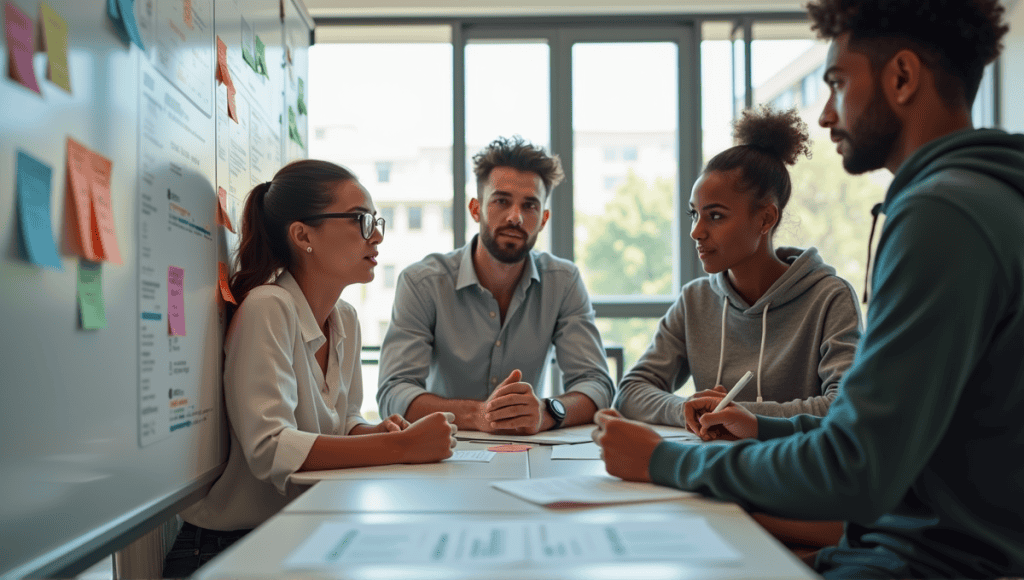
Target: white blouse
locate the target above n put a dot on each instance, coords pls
(278, 401)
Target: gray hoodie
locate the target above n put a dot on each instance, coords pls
(798, 340)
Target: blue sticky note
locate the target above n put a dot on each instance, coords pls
(127, 9)
(115, 17)
(34, 213)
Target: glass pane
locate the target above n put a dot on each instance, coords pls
(625, 102)
(716, 99)
(385, 111)
(633, 335)
(829, 209)
(508, 92)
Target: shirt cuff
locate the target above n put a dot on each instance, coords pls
(292, 449)
(399, 399)
(773, 427)
(354, 420)
(597, 393)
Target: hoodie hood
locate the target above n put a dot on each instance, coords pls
(806, 268)
(992, 152)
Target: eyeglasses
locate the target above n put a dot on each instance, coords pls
(366, 221)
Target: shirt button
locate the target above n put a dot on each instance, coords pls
(494, 380)
(492, 315)
(497, 343)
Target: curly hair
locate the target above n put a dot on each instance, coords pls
(767, 141)
(521, 155)
(956, 39)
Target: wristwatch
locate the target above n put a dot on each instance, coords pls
(557, 410)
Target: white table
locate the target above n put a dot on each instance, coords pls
(462, 493)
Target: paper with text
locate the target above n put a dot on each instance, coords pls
(586, 489)
(34, 212)
(478, 455)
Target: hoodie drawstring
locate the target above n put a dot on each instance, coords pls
(760, 356)
(875, 210)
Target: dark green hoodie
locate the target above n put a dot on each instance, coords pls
(922, 452)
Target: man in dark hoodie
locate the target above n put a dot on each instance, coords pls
(921, 451)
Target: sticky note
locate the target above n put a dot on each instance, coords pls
(223, 218)
(55, 43)
(34, 179)
(104, 239)
(131, 25)
(302, 100)
(188, 13)
(90, 295)
(232, 110)
(79, 172)
(21, 39)
(225, 287)
(293, 129)
(176, 300)
(261, 57)
(223, 74)
(114, 13)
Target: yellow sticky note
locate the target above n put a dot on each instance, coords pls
(55, 43)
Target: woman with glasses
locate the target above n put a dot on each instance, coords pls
(292, 382)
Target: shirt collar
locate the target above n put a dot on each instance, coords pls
(467, 272)
(307, 322)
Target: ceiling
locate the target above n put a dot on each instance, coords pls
(466, 8)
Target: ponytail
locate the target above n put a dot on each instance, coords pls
(299, 189)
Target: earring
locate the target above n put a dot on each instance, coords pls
(309, 249)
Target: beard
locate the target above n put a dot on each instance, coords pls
(872, 136)
(507, 253)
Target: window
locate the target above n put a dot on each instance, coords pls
(383, 171)
(623, 224)
(415, 216)
(389, 276)
(446, 218)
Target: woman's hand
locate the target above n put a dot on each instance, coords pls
(430, 439)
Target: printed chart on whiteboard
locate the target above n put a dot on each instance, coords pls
(178, 323)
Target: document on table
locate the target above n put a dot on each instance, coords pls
(592, 451)
(336, 544)
(586, 489)
(567, 435)
(479, 455)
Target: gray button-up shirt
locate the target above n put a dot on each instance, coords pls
(446, 335)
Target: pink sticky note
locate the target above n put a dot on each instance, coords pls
(176, 300)
(20, 32)
(104, 238)
(80, 194)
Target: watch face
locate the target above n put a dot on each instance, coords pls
(557, 407)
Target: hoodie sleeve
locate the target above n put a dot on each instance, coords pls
(840, 331)
(646, 392)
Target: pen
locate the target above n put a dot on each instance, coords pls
(734, 391)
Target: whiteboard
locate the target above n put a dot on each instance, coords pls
(108, 431)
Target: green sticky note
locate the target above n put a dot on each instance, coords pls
(302, 100)
(90, 295)
(293, 127)
(261, 57)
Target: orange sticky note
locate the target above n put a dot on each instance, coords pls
(231, 103)
(223, 74)
(188, 14)
(79, 191)
(55, 43)
(104, 238)
(223, 218)
(20, 32)
(225, 288)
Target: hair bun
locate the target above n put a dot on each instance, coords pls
(781, 134)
